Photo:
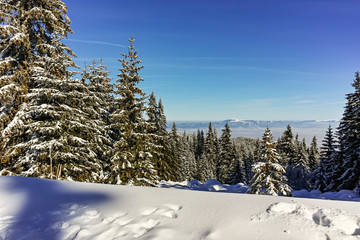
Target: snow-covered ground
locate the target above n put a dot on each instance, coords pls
(214, 186)
(48, 209)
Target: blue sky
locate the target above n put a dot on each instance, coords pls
(218, 59)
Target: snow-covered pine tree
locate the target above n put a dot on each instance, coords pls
(326, 160)
(192, 145)
(52, 130)
(269, 174)
(297, 149)
(210, 154)
(15, 57)
(200, 144)
(162, 158)
(96, 77)
(199, 157)
(132, 156)
(99, 84)
(334, 177)
(176, 147)
(189, 164)
(349, 139)
(298, 172)
(237, 174)
(227, 156)
(314, 154)
(248, 162)
(285, 146)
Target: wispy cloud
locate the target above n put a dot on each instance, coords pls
(95, 42)
(304, 102)
(216, 66)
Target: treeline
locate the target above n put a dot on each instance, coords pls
(54, 125)
(231, 160)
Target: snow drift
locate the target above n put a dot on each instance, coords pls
(48, 209)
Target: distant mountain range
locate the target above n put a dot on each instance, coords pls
(255, 129)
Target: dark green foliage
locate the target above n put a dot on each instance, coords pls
(99, 101)
(163, 157)
(189, 164)
(326, 155)
(176, 155)
(314, 155)
(268, 177)
(14, 62)
(132, 156)
(286, 148)
(349, 139)
(298, 172)
(227, 156)
(210, 154)
(52, 129)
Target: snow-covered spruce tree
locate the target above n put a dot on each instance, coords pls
(285, 146)
(96, 77)
(314, 154)
(327, 155)
(200, 144)
(176, 147)
(99, 84)
(334, 177)
(227, 156)
(189, 162)
(248, 162)
(14, 61)
(269, 174)
(237, 174)
(199, 157)
(52, 130)
(298, 172)
(185, 167)
(210, 154)
(349, 139)
(297, 149)
(162, 158)
(132, 155)
(192, 139)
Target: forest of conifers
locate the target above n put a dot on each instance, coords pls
(88, 127)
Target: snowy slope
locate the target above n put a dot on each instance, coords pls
(47, 209)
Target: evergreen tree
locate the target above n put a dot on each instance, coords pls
(210, 154)
(314, 154)
(237, 174)
(176, 155)
(286, 147)
(199, 151)
(326, 155)
(334, 177)
(96, 77)
(227, 156)
(190, 163)
(349, 139)
(269, 173)
(298, 172)
(14, 61)
(188, 158)
(53, 129)
(248, 162)
(162, 158)
(200, 144)
(132, 158)
(99, 84)
(297, 149)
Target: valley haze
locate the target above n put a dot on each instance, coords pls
(255, 128)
